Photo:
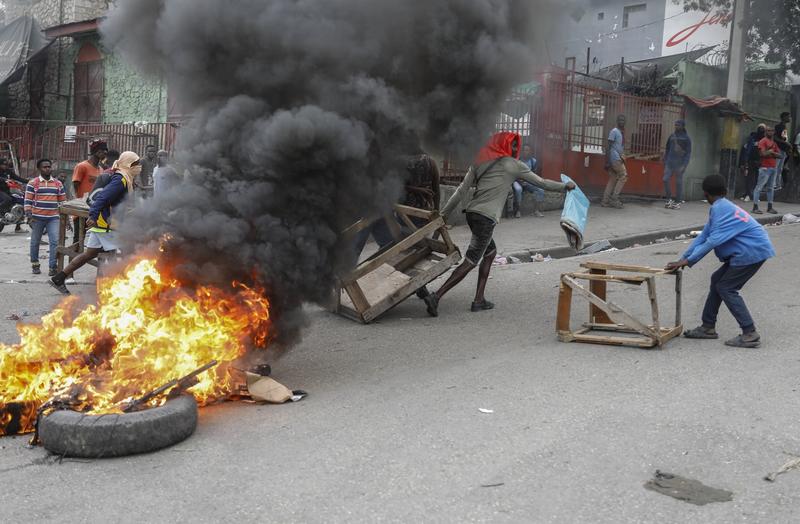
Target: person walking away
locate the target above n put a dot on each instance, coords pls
(520, 186)
(770, 153)
(615, 165)
(144, 182)
(742, 245)
(782, 139)
(676, 159)
(85, 174)
(100, 223)
(43, 196)
(164, 175)
(495, 169)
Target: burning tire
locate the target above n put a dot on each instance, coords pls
(76, 434)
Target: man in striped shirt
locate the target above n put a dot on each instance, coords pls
(43, 196)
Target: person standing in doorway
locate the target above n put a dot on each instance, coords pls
(615, 165)
(520, 186)
(770, 153)
(43, 196)
(782, 139)
(676, 159)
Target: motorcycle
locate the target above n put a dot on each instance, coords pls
(16, 214)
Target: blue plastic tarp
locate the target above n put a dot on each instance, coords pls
(574, 215)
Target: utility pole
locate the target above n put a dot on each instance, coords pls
(736, 65)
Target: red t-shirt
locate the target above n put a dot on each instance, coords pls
(85, 174)
(765, 144)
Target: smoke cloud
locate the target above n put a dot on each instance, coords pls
(303, 110)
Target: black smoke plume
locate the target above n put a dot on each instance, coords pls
(303, 110)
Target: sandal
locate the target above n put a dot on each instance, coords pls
(750, 340)
(701, 332)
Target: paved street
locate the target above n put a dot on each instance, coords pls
(392, 430)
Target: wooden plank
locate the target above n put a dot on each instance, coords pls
(355, 228)
(678, 296)
(615, 312)
(399, 247)
(393, 226)
(623, 267)
(564, 306)
(437, 245)
(670, 333)
(651, 295)
(62, 239)
(407, 221)
(599, 289)
(411, 287)
(357, 296)
(447, 240)
(414, 257)
(616, 341)
(415, 212)
(636, 281)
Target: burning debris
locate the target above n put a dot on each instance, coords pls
(146, 330)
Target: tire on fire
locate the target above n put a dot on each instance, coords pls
(84, 435)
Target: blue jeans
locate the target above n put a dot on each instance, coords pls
(668, 174)
(778, 182)
(520, 186)
(38, 227)
(766, 178)
(725, 285)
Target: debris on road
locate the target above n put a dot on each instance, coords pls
(694, 234)
(597, 247)
(495, 485)
(687, 490)
(789, 218)
(484, 410)
(792, 464)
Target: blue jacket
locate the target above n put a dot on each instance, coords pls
(678, 150)
(111, 196)
(735, 236)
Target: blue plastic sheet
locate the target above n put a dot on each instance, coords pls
(574, 215)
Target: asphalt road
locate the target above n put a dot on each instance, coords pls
(392, 430)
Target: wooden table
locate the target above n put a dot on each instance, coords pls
(69, 210)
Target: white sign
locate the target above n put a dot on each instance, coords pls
(70, 133)
(690, 30)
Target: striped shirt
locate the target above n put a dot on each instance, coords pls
(44, 197)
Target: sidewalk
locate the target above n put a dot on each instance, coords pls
(514, 235)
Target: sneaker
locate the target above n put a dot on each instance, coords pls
(70, 280)
(617, 204)
(517, 215)
(701, 332)
(538, 214)
(36, 269)
(481, 306)
(60, 287)
(756, 211)
(669, 203)
(675, 205)
(745, 340)
(18, 228)
(432, 303)
(605, 203)
(772, 210)
(52, 272)
(746, 198)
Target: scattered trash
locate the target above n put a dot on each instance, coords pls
(681, 237)
(694, 234)
(662, 240)
(687, 490)
(13, 316)
(500, 261)
(513, 260)
(538, 257)
(636, 245)
(484, 410)
(597, 247)
(789, 218)
(496, 485)
(792, 464)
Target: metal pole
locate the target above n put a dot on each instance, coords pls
(588, 58)
(735, 92)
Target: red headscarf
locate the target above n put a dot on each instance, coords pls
(499, 146)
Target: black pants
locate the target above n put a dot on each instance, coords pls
(725, 285)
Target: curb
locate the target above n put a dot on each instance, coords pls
(627, 241)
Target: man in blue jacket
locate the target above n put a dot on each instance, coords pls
(742, 245)
(677, 154)
(100, 224)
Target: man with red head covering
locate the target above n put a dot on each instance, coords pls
(495, 169)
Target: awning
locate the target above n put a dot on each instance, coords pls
(20, 41)
(720, 105)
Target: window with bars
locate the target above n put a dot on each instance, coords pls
(629, 10)
(88, 85)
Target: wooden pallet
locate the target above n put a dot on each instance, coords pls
(605, 316)
(418, 255)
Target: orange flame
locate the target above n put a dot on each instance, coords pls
(144, 331)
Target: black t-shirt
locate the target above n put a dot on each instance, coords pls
(779, 129)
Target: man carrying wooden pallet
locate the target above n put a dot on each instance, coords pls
(495, 170)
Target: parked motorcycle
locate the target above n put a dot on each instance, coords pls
(16, 214)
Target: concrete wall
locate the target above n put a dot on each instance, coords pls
(575, 29)
(763, 103)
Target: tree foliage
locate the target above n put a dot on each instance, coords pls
(773, 28)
